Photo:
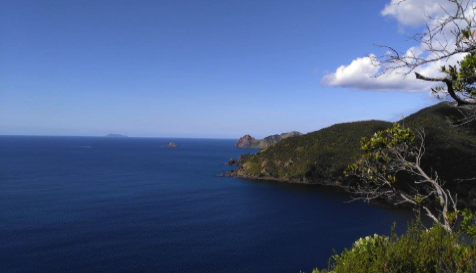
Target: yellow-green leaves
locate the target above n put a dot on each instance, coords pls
(377, 151)
(418, 250)
(391, 178)
(468, 224)
(418, 199)
(387, 139)
(463, 77)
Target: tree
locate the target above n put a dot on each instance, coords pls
(397, 153)
(452, 36)
(460, 85)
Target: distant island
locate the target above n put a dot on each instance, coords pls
(115, 135)
(248, 141)
(171, 145)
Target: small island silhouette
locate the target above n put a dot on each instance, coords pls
(170, 145)
(115, 135)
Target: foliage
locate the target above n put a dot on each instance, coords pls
(468, 224)
(377, 152)
(463, 77)
(322, 156)
(418, 250)
(451, 151)
(467, 73)
(446, 36)
(393, 151)
(452, 34)
(315, 156)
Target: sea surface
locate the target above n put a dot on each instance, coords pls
(97, 204)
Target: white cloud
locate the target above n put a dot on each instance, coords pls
(360, 73)
(416, 12)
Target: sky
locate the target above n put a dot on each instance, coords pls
(212, 69)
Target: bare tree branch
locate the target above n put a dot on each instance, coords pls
(452, 34)
(377, 180)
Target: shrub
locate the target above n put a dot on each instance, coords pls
(418, 250)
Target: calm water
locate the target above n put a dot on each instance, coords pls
(80, 204)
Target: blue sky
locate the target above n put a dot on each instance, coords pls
(189, 68)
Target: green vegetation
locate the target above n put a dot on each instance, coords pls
(460, 81)
(429, 174)
(271, 140)
(322, 156)
(314, 156)
(418, 250)
(449, 245)
(390, 168)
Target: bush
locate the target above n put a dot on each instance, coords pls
(418, 250)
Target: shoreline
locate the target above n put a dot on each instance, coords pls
(329, 186)
(236, 174)
(266, 178)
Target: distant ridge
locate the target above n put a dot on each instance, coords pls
(248, 141)
(115, 135)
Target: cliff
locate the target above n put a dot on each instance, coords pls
(245, 141)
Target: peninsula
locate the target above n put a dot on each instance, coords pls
(321, 157)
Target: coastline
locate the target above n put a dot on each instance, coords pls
(327, 184)
(236, 174)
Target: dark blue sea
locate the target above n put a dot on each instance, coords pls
(97, 204)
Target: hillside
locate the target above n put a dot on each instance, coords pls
(320, 157)
(314, 157)
(248, 141)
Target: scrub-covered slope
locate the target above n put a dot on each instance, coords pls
(321, 156)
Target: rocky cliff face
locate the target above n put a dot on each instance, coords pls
(245, 141)
(248, 141)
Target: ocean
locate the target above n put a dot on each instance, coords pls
(97, 204)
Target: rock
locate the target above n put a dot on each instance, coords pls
(245, 141)
(239, 161)
(232, 162)
(172, 145)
